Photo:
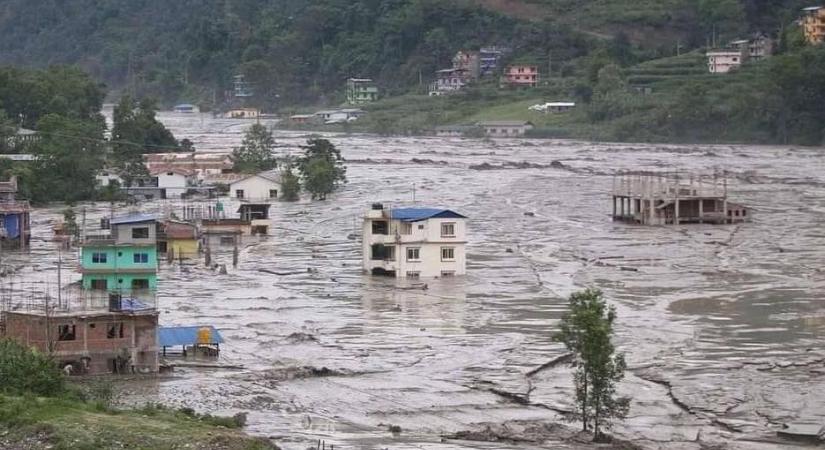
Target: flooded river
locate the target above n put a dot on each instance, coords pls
(722, 326)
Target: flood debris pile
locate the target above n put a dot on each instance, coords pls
(546, 434)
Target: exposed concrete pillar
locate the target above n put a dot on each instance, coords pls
(676, 212)
(701, 209)
(614, 207)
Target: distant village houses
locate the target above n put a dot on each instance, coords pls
(15, 216)
(505, 128)
(361, 91)
(737, 52)
(521, 75)
(813, 24)
(414, 242)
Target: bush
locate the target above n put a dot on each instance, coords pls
(28, 371)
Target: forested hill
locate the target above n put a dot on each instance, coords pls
(300, 51)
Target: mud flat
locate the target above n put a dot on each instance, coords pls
(722, 325)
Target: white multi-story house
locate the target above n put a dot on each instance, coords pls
(263, 186)
(414, 242)
(724, 61)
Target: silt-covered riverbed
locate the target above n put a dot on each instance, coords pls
(722, 325)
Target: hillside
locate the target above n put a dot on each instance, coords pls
(299, 52)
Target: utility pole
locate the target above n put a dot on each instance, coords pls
(59, 268)
(549, 65)
(413, 192)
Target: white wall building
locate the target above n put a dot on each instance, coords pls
(723, 61)
(261, 186)
(174, 181)
(106, 177)
(414, 242)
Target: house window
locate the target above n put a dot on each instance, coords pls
(170, 173)
(380, 227)
(114, 330)
(448, 273)
(140, 233)
(413, 254)
(744, 212)
(239, 193)
(448, 229)
(141, 258)
(99, 285)
(448, 253)
(98, 258)
(421, 227)
(383, 253)
(140, 283)
(406, 228)
(413, 274)
(273, 193)
(66, 333)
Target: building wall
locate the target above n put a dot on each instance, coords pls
(813, 25)
(256, 188)
(187, 248)
(122, 233)
(521, 75)
(723, 62)
(175, 184)
(121, 257)
(425, 235)
(138, 343)
(121, 282)
(504, 131)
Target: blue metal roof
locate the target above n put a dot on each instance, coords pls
(174, 336)
(134, 218)
(418, 214)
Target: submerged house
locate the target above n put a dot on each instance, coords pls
(124, 262)
(15, 216)
(650, 199)
(260, 186)
(120, 338)
(178, 238)
(414, 242)
(257, 214)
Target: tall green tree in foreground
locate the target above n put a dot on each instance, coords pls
(255, 153)
(586, 331)
(322, 168)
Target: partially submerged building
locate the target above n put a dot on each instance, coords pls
(257, 214)
(124, 262)
(260, 186)
(655, 199)
(414, 242)
(178, 238)
(120, 338)
(15, 216)
(217, 233)
(505, 128)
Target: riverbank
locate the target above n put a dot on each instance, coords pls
(31, 422)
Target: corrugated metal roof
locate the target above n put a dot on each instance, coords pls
(134, 218)
(417, 214)
(174, 336)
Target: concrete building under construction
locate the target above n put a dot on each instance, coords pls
(665, 199)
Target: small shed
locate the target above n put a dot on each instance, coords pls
(204, 337)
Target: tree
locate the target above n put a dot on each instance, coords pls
(255, 153)
(290, 184)
(64, 168)
(322, 168)
(586, 331)
(136, 131)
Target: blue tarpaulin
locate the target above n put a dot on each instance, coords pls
(174, 336)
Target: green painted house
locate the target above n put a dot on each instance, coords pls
(125, 262)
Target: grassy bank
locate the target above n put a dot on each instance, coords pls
(33, 422)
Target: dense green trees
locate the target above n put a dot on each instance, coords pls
(322, 168)
(255, 153)
(136, 131)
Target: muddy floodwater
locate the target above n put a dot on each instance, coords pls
(722, 326)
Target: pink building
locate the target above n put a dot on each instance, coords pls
(522, 75)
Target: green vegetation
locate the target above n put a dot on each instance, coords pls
(290, 184)
(39, 409)
(587, 331)
(255, 153)
(322, 168)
